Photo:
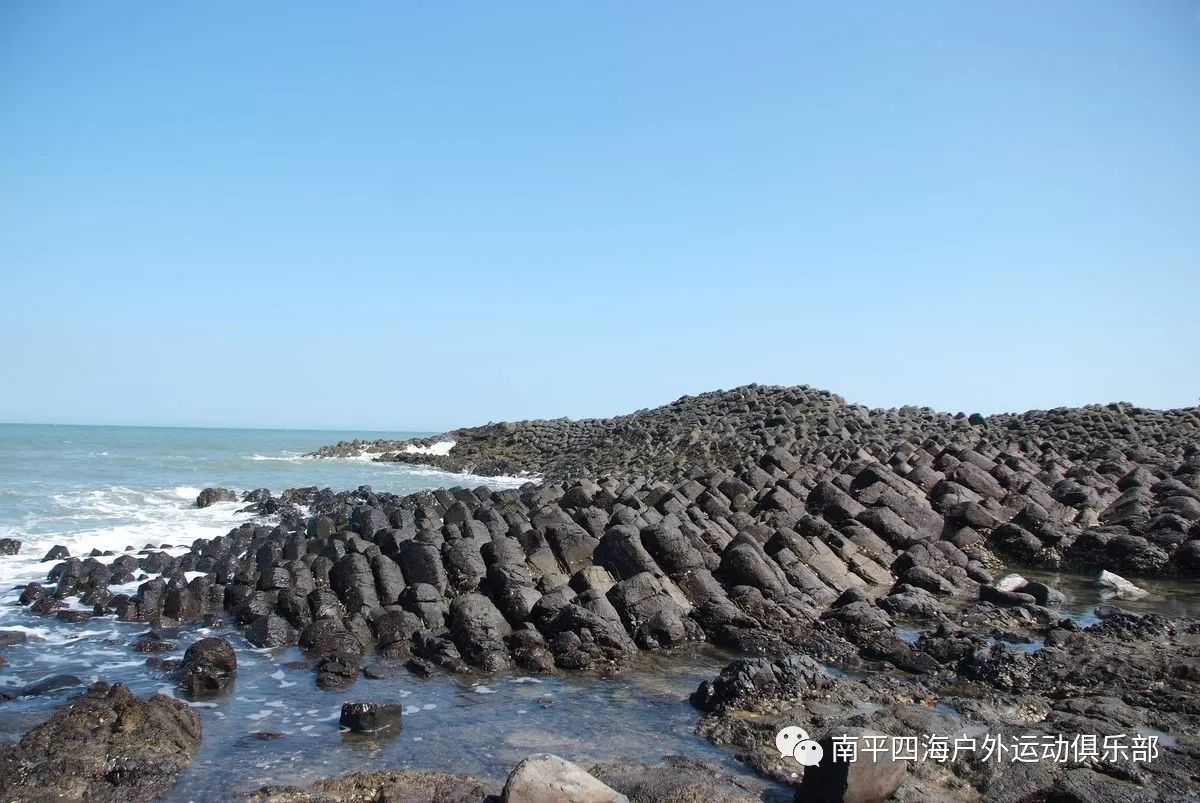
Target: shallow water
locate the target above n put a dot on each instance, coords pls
(479, 725)
(113, 487)
(1166, 597)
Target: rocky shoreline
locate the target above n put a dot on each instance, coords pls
(863, 556)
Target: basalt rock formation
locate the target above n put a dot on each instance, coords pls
(753, 518)
(780, 522)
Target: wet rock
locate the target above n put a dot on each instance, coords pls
(270, 631)
(9, 546)
(371, 717)
(479, 631)
(211, 496)
(105, 745)
(1005, 599)
(58, 552)
(546, 777)
(209, 665)
(10, 637)
(43, 686)
(747, 679)
(410, 786)
(1044, 594)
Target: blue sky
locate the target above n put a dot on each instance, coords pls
(424, 215)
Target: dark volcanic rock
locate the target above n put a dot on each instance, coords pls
(9, 546)
(105, 745)
(209, 665)
(43, 686)
(371, 717)
(210, 496)
(56, 553)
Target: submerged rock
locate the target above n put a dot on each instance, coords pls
(410, 786)
(52, 683)
(105, 745)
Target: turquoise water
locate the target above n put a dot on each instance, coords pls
(115, 487)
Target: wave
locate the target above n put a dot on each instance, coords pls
(286, 457)
(110, 519)
(441, 448)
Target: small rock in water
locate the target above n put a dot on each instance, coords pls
(1003, 598)
(8, 637)
(1119, 586)
(210, 496)
(371, 717)
(419, 667)
(57, 552)
(1044, 594)
(42, 686)
(382, 671)
(9, 546)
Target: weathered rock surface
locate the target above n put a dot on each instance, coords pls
(209, 666)
(548, 777)
(210, 496)
(410, 786)
(105, 745)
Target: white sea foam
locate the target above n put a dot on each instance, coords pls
(286, 457)
(110, 519)
(441, 448)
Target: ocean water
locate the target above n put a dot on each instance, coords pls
(110, 488)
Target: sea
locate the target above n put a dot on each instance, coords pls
(114, 488)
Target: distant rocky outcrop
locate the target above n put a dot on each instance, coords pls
(722, 428)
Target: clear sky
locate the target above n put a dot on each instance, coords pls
(423, 215)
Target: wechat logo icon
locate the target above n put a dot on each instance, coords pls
(795, 743)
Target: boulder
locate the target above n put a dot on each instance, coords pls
(1118, 586)
(210, 496)
(57, 552)
(209, 665)
(546, 777)
(9, 546)
(105, 745)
